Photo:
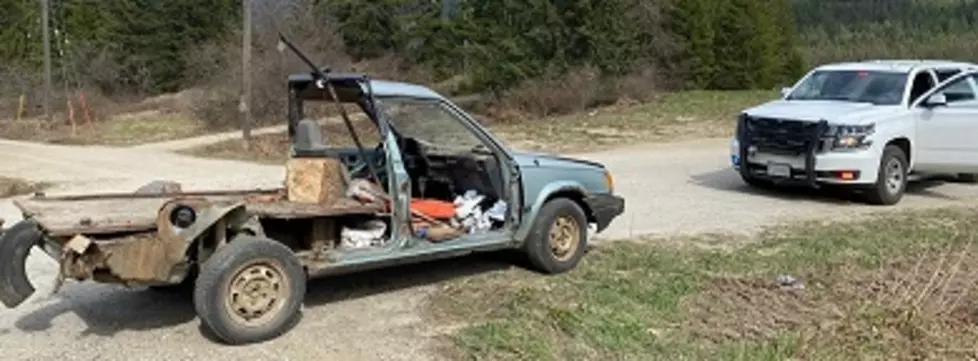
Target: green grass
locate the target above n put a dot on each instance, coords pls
(676, 116)
(893, 287)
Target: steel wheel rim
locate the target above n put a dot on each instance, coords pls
(257, 293)
(564, 238)
(894, 176)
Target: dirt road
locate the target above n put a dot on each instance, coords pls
(674, 188)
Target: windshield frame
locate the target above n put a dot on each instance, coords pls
(475, 128)
(796, 93)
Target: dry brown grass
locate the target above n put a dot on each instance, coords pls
(920, 307)
(10, 186)
(122, 130)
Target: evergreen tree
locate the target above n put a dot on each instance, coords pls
(692, 22)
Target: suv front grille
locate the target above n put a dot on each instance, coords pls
(784, 135)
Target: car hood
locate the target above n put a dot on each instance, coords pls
(543, 160)
(814, 110)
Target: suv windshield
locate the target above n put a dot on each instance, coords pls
(877, 87)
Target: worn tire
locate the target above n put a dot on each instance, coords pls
(18, 240)
(880, 193)
(212, 291)
(968, 177)
(537, 246)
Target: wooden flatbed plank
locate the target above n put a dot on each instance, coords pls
(121, 213)
(105, 215)
(286, 209)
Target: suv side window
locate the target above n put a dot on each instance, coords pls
(961, 92)
(944, 74)
(922, 82)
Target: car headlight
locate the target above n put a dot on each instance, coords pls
(609, 181)
(853, 137)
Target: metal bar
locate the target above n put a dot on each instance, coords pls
(743, 141)
(814, 139)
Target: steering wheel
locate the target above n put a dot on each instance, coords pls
(361, 166)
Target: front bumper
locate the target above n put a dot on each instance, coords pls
(604, 208)
(809, 167)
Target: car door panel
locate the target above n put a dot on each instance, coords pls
(947, 135)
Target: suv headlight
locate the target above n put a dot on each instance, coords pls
(853, 137)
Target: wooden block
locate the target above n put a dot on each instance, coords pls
(315, 180)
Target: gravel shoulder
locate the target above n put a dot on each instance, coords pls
(673, 188)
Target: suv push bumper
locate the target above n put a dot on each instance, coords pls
(604, 208)
(806, 175)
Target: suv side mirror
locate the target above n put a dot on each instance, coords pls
(936, 100)
(785, 91)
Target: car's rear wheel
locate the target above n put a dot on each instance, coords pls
(891, 179)
(558, 239)
(250, 290)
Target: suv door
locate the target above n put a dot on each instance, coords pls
(946, 131)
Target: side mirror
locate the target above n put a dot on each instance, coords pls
(785, 91)
(936, 100)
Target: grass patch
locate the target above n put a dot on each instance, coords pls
(10, 186)
(125, 130)
(893, 287)
(676, 116)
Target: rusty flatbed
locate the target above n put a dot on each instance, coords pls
(127, 212)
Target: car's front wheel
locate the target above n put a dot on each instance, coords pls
(558, 239)
(891, 179)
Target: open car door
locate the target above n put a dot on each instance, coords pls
(947, 126)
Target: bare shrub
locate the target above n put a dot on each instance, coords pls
(574, 91)
(217, 66)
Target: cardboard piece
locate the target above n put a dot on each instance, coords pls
(315, 180)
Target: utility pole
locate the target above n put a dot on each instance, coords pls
(245, 105)
(46, 38)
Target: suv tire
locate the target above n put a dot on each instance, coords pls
(757, 182)
(891, 178)
(968, 177)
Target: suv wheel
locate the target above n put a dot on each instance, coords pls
(757, 182)
(968, 177)
(891, 179)
(559, 237)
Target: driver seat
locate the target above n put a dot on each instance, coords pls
(308, 138)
